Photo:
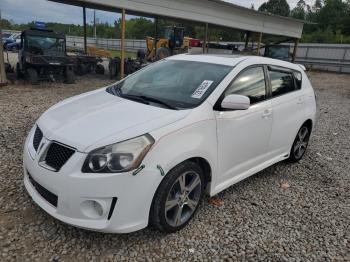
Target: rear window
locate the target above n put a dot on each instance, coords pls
(282, 82)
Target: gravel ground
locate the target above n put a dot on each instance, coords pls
(288, 212)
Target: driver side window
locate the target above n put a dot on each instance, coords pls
(250, 83)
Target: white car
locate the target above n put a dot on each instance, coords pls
(144, 151)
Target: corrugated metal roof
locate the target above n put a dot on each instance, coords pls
(214, 12)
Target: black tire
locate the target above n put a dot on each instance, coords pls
(159, 219)
(114, 67)
(100, 70)
(141, 55)
(162, 52)
(81, 69)
(19, 74)
(112, 70)
(32, 76)
(69, 77)
(300, 144)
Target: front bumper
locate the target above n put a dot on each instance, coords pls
(133, 194)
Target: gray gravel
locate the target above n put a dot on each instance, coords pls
(288, 212)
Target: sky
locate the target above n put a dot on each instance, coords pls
(23, 11)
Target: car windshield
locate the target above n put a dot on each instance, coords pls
(174, 84)
(42, 45)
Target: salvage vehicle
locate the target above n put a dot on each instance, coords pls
(43, 56)
(144, 150)
(86, 64)
(15, 44)
(173, 43)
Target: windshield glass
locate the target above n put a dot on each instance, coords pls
(172, 83)
(42, 45)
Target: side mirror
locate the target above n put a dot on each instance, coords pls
(236, 102)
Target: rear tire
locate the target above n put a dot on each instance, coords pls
(81, 69)
(32, 76)
(178, 197)
(114, 67)
(300, 144)
(19, 74)
(70, 77)
(100, 70)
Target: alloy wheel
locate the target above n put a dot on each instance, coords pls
(183, 198)
(301, 142)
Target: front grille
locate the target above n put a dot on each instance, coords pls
(46, 194)
(38, 135)
(57, 155)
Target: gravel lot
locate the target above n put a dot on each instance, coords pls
(288, 212)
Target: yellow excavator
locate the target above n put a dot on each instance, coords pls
(174, 43)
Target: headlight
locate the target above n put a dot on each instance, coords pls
(119, 157)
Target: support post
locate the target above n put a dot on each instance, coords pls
(3, 79)
(205, 38)
(259, 44)
(155, 34)
(296, 43)
(247, 36)
(122, 46)
(84, 21)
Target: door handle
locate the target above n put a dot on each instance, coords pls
(267, 113)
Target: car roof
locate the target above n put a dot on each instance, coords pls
(230, 60)
(233, 60)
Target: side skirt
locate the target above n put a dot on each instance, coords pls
(248, 173)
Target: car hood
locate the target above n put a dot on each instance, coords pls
(98, 118)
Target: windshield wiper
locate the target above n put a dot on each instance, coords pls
(116, 90)
(158, 101)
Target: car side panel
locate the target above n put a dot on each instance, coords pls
(288, 116)
(192, 137)
(310, 99)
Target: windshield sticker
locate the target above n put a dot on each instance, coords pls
(200, 91)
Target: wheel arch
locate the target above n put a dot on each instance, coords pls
(207, 172)
(309, 124)
(204, 165)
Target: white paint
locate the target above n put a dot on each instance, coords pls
(236, 144)
(236, 102)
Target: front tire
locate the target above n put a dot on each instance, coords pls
(33, 76)
(300, 144)
(162, 53)
(177, 198)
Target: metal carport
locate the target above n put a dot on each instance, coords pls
(213, 12)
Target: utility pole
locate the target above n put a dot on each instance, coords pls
(95, 32)
(84, 21)
(122, 46)
(3, 79)
(205, 42)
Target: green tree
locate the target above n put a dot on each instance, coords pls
(277, 7)
(299, 12)
(332, 14)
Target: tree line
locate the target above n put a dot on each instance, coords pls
(329, 23)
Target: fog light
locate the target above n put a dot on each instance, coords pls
(92, 209)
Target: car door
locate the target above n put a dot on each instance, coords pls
(243, 135)
(288, 108)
